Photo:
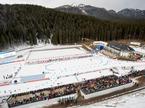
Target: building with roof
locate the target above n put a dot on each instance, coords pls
(135, 44)
(119, 49)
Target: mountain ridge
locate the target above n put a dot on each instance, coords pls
(103, 13)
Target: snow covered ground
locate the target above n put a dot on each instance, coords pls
(54, 53)
(8, 69)
(133, 100)
(59, 72)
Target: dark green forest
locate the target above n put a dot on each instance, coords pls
(26, 23)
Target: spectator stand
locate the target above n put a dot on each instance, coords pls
(105, 87)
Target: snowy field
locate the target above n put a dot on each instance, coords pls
(8, 69)
(60, 72)
(54, 53)
(133, 100)
(20, 70)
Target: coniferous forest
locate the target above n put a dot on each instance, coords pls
(27, 23)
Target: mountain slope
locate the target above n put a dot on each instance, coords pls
(102, 13)
(132, 13)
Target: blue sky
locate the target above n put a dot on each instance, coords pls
(108, 4)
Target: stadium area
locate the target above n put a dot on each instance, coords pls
(47, 73)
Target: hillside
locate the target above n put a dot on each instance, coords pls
(28, 23)
(102, 13)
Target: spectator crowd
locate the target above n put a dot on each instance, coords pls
(100, 84)
(89, 86)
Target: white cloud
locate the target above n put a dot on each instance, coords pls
(108, 4)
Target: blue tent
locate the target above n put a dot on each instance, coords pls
(99, 47)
